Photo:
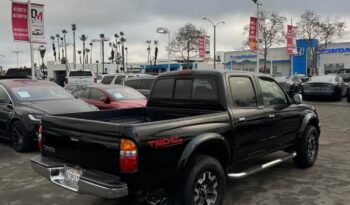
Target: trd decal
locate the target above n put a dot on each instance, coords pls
(165, 142)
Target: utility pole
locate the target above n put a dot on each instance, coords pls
(214, 25)
(30, 39)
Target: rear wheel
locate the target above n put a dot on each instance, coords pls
(203, 183)
(21, 142)
(307, 148)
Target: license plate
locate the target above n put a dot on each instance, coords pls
(317, 88)
(72, 176)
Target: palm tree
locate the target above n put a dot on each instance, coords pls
(74, 28)
(64, 31)
(87, 55)
(79, 53)
(58, 47)
(62, 43)
(123, 40)
(53, 46)
(91, 44)
(83, 38)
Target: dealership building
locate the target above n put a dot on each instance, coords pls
(332, 59)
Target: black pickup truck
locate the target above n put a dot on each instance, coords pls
(197, 128)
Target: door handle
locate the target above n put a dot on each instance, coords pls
(241, 119)
(271, 116)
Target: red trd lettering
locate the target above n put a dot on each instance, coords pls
(165, 142)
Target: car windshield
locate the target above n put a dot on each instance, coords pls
(80, 73)
(124, 93)
(38, 93)
(322, 79)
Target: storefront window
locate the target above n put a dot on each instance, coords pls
(333, 68)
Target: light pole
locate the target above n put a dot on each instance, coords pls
(17, 52)
(162, 30)
(149, 51)
(214, 25)
(74, 28)
(64, 31)
(126, 57)
(258, 4)
(91, 44)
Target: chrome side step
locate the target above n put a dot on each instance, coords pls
(262, 167)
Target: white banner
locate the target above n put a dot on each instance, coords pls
(37, 21)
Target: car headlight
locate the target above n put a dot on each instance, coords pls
(34, 117)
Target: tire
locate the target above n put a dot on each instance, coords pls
(307, 148)
(204, 179)
(348, 96)
(338, 95)
(21, 141)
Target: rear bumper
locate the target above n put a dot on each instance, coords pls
(319, 93)
(90, 182)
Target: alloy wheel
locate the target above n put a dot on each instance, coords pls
(205, 191)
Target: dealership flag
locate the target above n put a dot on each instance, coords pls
(20, 27)
(291, 40)
(201, 46)
(20, 21)
(252, 33)
(207, 47)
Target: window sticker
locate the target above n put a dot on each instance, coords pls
(23, 94)
(118, 95)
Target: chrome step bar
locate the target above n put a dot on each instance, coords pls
(262, 167)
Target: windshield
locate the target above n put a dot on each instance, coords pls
(38, 93)
(125, 93)
(322, 79)
(80, 73)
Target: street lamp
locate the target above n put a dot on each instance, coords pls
(214, 25)
(42, 51)
(258, 4)
(163, 30)
(17, 52)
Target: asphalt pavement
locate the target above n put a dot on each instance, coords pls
(328, 182)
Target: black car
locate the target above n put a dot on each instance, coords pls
(291, 84)
(345, 74)
(23, 102)
(329, 86)
(142, 84)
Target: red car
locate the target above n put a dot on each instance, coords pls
(111, 96)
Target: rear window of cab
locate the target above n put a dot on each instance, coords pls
(196, 88)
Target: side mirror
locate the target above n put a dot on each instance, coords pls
(104, 99)
(297, 99)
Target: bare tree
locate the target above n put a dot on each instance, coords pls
(272, 33)
(311, 27)
(186, 42)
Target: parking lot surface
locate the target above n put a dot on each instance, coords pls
(328, 182)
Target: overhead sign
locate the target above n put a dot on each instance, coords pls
(252, 42)
(20, 23)
(335, 50)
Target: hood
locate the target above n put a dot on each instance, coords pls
(58, 106)
(124, 104)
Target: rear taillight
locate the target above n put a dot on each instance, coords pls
(66, 80)
(40, 140)
(95, 80)
(128, 160)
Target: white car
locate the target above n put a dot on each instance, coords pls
(80, 77)
(114, 79)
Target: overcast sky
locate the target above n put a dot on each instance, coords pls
(138, 19)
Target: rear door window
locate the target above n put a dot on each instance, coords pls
(107, 80)
(132, 83)
(243, 93)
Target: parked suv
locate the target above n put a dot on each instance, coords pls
(115, 79)
(143, 83)
(80, 77)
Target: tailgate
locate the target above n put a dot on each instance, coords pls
(85, 143)
(80, 80)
